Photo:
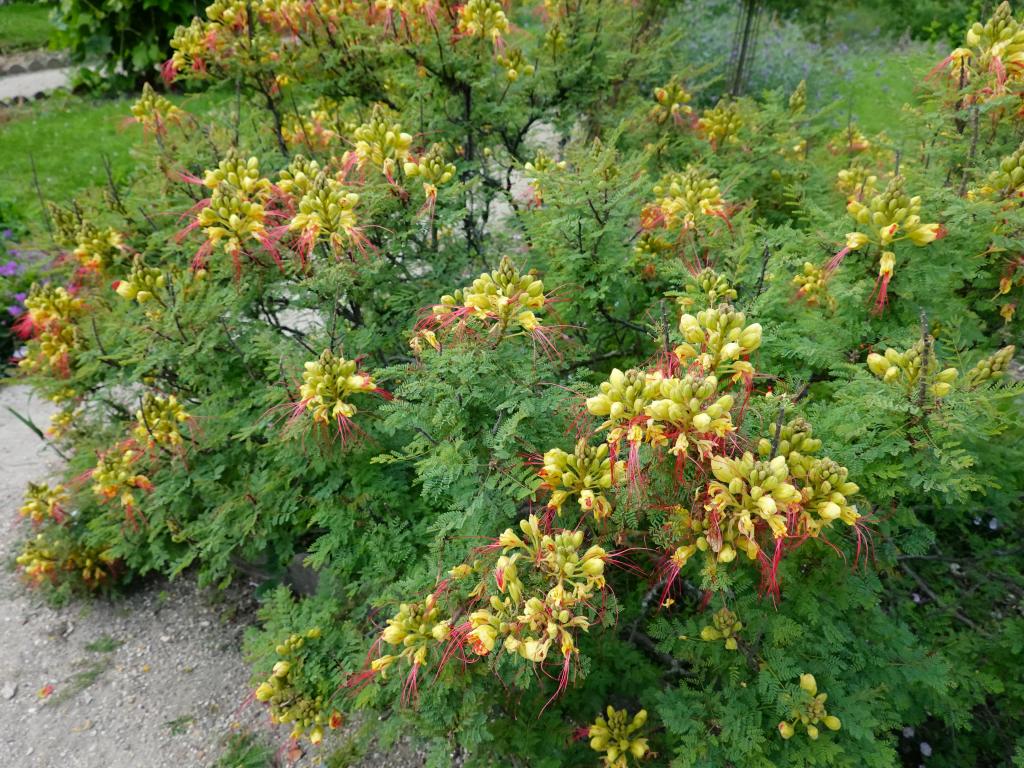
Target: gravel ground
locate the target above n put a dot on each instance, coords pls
(153, 679)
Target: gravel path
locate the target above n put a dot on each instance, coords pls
(154, 679)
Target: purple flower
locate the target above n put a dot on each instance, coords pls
(16, 309)
(7, 234)
(10, 269)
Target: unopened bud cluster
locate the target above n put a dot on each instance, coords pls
(707, 289)
(142, 284)
(990, 368)
(724, 626)
(616, 736)
(905, 369)
(284, 692)
(159, 420)
(155, 112)
(809, 712)
(721, 124)
(673, 102)
(857, 182)
(1007, 180)
(585, 473)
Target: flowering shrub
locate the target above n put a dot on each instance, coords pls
(595, 401)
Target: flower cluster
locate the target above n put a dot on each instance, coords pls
(546, 611)
(433, 170)
(808, 711)
(49, 319)
(114, 476)
(159, 420)
(683, 197)
(327, 385)
(485, 19)
(889, 217)
(504, 299)
(142, 284)
(772, 497)
(44, 503)
(673, 103)
(616, 736)
(380, 143)
(416, 629)
(326, 212)
(907, 369)
(538, 595)
(192, 48)
(812, 286)
(289, 703)
(719, 340)
(53, 554)
(993, 52)
(586, 473)
(721, 124)
(48, 307)
(235, 214)
(155, 112)
(95, 248)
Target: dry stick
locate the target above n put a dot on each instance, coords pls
(302, 125)
(926, 353)
(113, 187)
(39, 194)
(664, 331)
(778, 430)
(937, 600)
(971, 152)
(765, 257)
(238, 349)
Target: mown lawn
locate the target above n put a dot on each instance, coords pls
(24, 26)
(68, 137)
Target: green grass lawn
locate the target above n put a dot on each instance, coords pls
(68, 137)
(883, 84)
(24, 26)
